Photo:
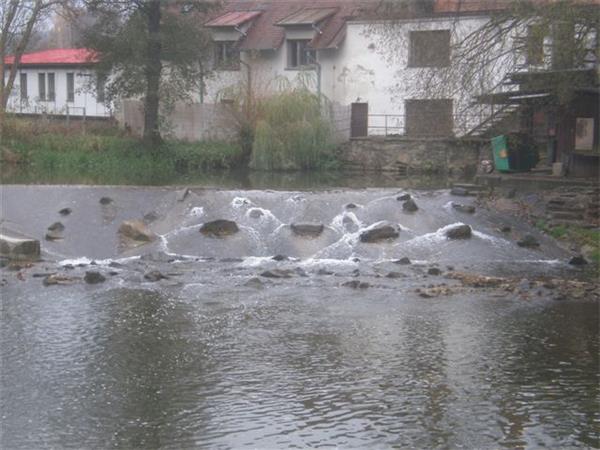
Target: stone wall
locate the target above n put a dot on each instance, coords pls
(412, 155)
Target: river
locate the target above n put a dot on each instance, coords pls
(340, 349)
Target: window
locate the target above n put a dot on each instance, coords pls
(51, 90)
(70, 87)
(100, 88)
(23, 86)
(535, 45)
(42, 86)
(300, 54)
(227, 56)
(429, 117)
(429, 48)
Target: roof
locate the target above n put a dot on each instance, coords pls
(56, 57)
(479, 6)
(307, 16)
(233, 19)
(265, 33)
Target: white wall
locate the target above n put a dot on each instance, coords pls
(364, 69)
(85, 101)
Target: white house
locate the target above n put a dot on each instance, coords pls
(58, 82)
(336, 49)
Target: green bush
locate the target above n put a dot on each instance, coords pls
(291, 133)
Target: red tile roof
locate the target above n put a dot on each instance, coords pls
(233, 19)
(264, 34)
(56, 57)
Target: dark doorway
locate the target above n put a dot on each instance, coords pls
(359, 120)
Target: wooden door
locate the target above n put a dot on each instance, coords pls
(359, 120)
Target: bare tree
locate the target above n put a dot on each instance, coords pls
(19, 19)
(487, 46)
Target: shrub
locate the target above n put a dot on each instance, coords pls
(291, 133)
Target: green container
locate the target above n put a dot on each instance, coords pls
(514, 153)
(500, 150)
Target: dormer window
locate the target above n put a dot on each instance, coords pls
(299, 54)
(226, 55)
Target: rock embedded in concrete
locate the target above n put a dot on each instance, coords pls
(65, 211)
(403, 261)
(528, 241)
(219, 228)
(410, 206)
(505, 229)
(136, 230)
(277, 273)
(395, 275)
(578, 260)
(154, 275)
(56, 226)
(379, 232)
(19, 248)
(94, 277)
(105, 201)
(255, 213)
(150, 217)
(280, 258)
(434, 271)
(58, 279)
(403, 197)
(182, 194)
(459, 232)
(356, 284)
(468, 209)
(307, 229)
(351, 206)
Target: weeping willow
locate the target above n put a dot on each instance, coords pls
(291, 133)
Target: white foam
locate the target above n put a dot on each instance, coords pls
(240, 202)
(196, 211)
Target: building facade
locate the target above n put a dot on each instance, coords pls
(59, 82)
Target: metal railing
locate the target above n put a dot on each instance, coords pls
(434, 125)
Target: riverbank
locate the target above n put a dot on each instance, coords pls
(568, 214)
(101, 153)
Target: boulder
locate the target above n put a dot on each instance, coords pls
(356, 284)
(277, 273)
(379, 232)
(19, 248)
(395, 275)
(150, 217)
(55, 231)
(219, 228)
(65, 211)
(578, 260)
(159, 257)
(403, 261)
(459, 232)
(434, 271)
(94, 277)
(528, 241)
(106, 201)
(403, 197)
(136, 230)
(154, 275)
(469, 209)
(182, 194)
(410, 206)
(307, 229)
(280, 258)
(58, 279)
(255, 213)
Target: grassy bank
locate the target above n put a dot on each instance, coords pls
(584, 238)
(104, 154)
